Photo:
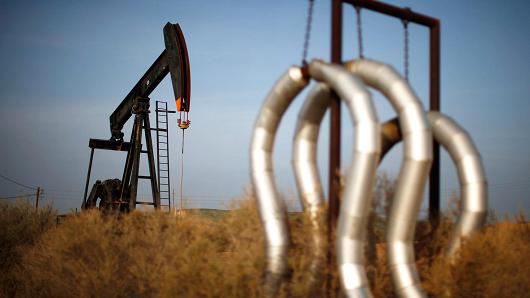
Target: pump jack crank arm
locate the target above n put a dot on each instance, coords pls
(174, 60)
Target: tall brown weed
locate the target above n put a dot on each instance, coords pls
(195, 255)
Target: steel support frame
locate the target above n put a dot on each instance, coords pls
(132, 165)
(434, 97)
(103, 145)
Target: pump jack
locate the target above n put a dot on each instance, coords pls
(120, 195)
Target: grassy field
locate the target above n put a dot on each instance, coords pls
(211, 253)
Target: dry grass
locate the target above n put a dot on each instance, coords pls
(492, 263)
(20, 228)
(145, 254)
(157, 255)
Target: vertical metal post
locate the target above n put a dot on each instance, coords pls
(126, 177)
(37, 199)
(334, 142)
(88, 177)
(137, 148)
(434, 182)
(334, 132)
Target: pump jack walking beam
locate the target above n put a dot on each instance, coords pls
(173, 60)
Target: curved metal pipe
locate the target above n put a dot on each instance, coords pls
(361, 173)
(469, 166)
(305, 152)
(271, 207)
(413, 173)
(307, 177)
(471, 174)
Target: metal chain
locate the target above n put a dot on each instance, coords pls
(359, 32)
(406, 48)
(307, 32)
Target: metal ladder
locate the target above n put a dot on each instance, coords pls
(162, 147)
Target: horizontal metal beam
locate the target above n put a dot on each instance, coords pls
(394, 11)
(144, 203)
(109, 145)
(165, 111)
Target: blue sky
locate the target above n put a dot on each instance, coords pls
(66, 65)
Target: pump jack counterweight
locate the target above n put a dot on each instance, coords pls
(121, 195)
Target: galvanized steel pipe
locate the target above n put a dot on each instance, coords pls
(417, 160)
(352, 221)
(469, 166)
(271, 207)
(413, 173)
(307, 177)
(361, 173)
(473, 182)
